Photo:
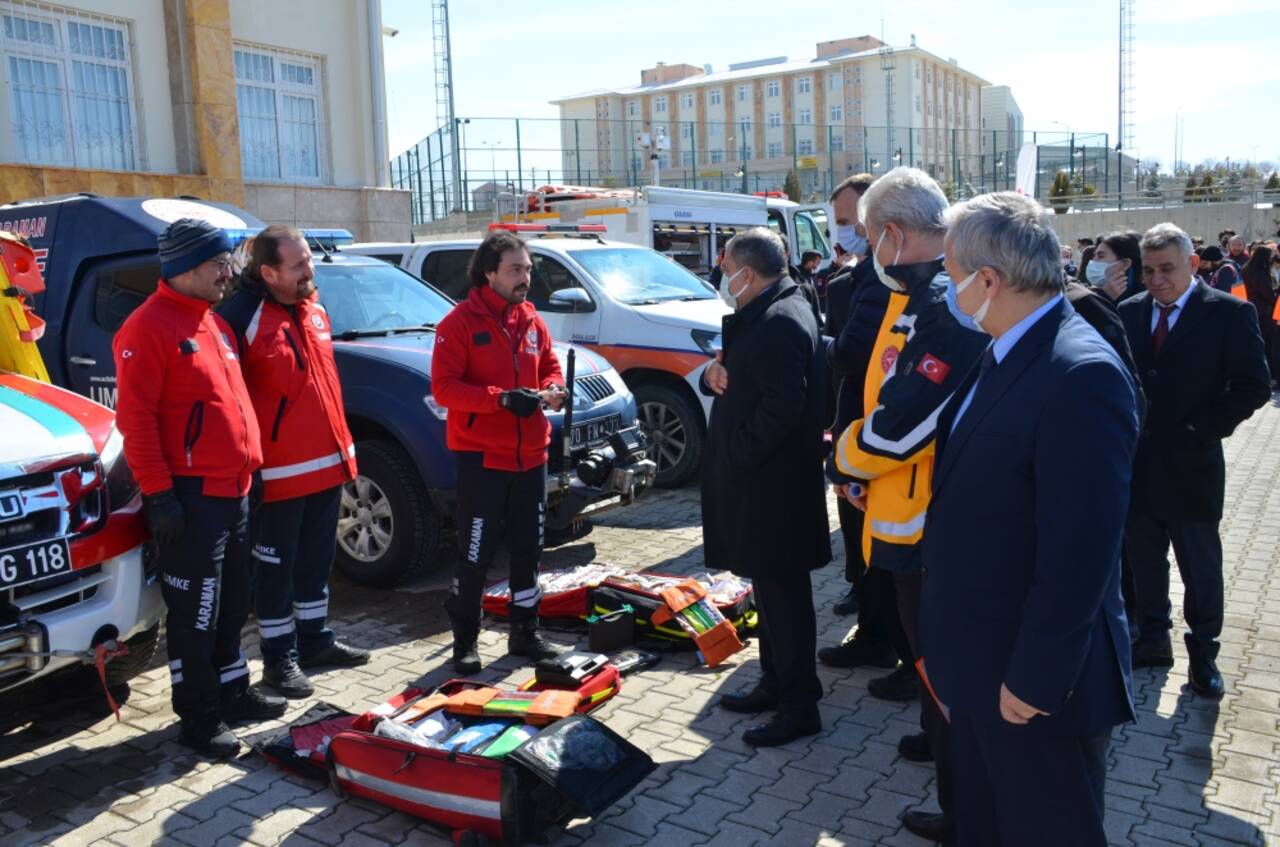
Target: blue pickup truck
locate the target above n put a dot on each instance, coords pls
(99, 260)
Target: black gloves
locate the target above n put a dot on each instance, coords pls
(256, 488)
(522, 402)
(164, 517)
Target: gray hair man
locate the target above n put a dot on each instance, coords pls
(1203, 367)
(764, 512)
(883, 461)
(1021, 615)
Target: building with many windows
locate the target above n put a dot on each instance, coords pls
(858, 105)
(229, 100)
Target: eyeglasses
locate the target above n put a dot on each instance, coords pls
(222, 263)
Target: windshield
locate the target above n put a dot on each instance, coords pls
(362, 297)
(637, 277)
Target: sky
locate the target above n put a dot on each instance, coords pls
(1213, 66)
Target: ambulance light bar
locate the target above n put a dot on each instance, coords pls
(548, 227)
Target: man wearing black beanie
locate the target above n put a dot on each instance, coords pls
(191, 439)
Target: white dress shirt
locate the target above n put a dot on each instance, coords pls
(1178, 306)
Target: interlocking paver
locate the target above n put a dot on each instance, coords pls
(1188, 771)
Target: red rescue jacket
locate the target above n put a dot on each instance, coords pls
(182, 405)
(286, 355)
(483, 347)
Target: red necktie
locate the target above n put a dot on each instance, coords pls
(1162, 326)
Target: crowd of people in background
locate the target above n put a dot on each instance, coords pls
(1017, 431)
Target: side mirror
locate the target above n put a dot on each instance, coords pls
(570, 300)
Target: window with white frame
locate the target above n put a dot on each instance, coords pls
(837, 114)
(917, 102)
(717, 156)
(837, 143)
(806, 116)
(805, 147)
(71, 94)
(664, 160)
(774, 88)
(746, 152)
(713, 97)
(775, 119)
(744, 93)
(857, 74)
(686, 101)
(633, 109)
(833, 81)
(278, 98)
(686, 130)
(686, 158)
(775, 149)
(804, 84)
(715, 129)
(660, 104)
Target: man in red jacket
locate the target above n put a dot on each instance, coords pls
(308, 453)
(192, 442)
(493, 369)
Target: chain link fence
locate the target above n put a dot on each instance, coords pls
(464, 167)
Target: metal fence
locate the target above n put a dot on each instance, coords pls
(464, 167)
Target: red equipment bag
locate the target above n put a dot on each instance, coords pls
(573, 766)
(733, 598)
(565, 593)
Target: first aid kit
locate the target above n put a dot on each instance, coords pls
(731, 597)
(564, 592)
(474, 758)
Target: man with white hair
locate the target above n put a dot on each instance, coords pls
(1023, 633)
(1204, 370)
(884, 460)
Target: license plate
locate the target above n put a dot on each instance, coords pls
(590, 433)
(30, 562)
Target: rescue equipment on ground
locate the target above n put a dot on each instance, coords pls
(688, 604)
(475, 759)
(731, 597)
(564, 592)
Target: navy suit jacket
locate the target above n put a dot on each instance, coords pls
(1022, 541)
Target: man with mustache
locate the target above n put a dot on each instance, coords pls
(286, 354)
(493, 369)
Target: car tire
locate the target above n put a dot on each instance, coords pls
(675, 425)
(142, 648)
(386, 522)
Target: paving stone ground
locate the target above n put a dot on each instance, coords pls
(1189, 771)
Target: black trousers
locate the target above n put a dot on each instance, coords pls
(1198, 550)
(493, 505)
(908, 587)
(294, 544)
(851, 521)
(205, 579)
(1014, 788)
(788, 641)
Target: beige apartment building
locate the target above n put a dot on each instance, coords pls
(276, 106)
(859, 104)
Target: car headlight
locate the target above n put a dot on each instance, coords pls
(708, 341)
(121, 486)
(439, 411)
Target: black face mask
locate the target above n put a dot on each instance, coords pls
(915, 274)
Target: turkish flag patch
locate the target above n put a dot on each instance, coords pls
(933, 369)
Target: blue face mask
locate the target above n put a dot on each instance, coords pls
(849, 240)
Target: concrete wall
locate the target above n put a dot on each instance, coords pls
(371, 214)
(1205, 220)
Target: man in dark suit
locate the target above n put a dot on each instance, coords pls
(1023, 633)
(1204, 371)
(764, 501)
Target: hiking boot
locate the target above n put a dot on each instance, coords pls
(466, 659)
(525, 641)
(285, 676)
(216, 741)
(251, 704)
(336, 655)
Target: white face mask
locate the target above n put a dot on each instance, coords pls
(849, 240)
(1096, 272)
(730, 298)
(982, 310)
(889, 281)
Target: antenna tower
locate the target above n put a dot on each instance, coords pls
(1125, 140)
(444, 90)
(887, 65)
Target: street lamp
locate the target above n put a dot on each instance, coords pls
(875, 163)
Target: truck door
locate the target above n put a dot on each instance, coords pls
(808, 227)
(108, 293)
(577, 322)
(446, 269)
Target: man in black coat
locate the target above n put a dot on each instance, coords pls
(1204, 372)
(764, 503)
